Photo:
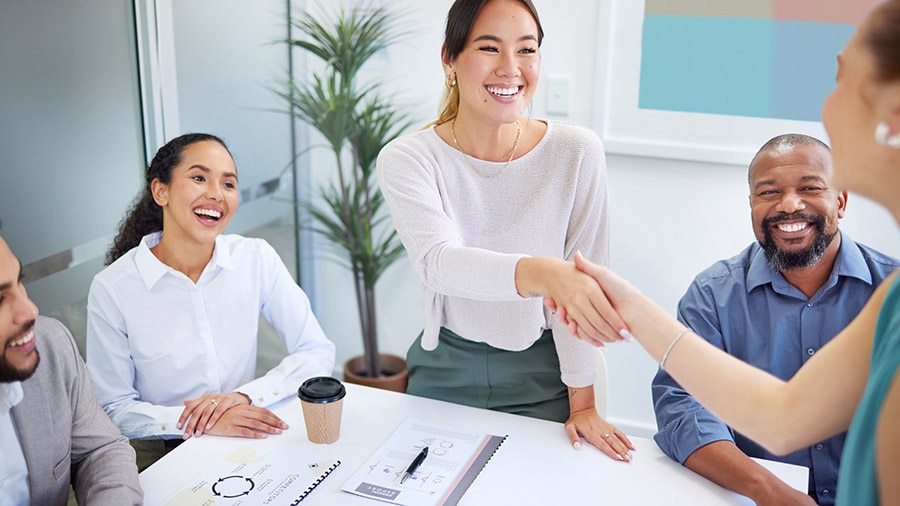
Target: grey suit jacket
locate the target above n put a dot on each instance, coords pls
(66, 435)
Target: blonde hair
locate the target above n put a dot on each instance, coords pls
(449, 107)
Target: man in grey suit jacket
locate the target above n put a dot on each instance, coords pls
(52, 430)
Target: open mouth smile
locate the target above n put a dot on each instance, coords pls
(26, 339)
(208, 215)
(792, 227)
(503, 91)
(23, 343)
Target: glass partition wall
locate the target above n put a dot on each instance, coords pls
(72, 148)
(91, 89)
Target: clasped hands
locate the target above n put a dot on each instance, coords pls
(229, 414)
(589, 308)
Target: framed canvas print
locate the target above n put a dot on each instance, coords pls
(712, 80)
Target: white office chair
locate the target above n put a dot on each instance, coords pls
(600, 384)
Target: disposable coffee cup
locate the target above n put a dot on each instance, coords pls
(322, 400)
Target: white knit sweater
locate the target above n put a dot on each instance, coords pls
(464, 233)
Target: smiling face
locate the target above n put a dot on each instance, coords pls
(202, 195)
(794, 209)
(497, 70)
(18, 356)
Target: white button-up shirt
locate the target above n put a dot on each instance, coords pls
(155, 338)
(13, 469)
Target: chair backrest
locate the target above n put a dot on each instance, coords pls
(600, 384)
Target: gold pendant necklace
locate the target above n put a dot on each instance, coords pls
(512, 153)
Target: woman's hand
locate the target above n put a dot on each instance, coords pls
(248, 421)
(651, 324)
(584, 421)
(202, 413)
(573, 293)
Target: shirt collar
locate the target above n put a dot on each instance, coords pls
(152, 270)
(10, 395)
(849, 263)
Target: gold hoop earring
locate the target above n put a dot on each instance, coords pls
(451, 82)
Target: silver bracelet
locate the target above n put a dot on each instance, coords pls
(662, 361)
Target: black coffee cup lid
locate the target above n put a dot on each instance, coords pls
(321, 390)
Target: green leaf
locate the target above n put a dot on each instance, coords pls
(355, 118)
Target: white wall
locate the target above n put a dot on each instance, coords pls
(670, 219)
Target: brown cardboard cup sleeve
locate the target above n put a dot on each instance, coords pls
(322, 400)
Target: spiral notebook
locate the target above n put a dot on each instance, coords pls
(246, 477)
(455, 458)
(324, 469)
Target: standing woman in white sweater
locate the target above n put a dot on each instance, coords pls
(491, 206)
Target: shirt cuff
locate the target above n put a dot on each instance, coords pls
(263, 393)
(681, 438)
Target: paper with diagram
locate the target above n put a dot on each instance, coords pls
(247, 478)
(455, 458)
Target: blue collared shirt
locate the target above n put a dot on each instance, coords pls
(748, 309)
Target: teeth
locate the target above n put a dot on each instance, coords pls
(505, 92)
(27, 338)
(792, 227)
(208, 212)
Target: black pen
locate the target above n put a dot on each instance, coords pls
(415, 464)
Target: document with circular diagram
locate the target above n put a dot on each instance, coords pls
(247, 478)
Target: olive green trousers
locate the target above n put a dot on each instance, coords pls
(523, 382)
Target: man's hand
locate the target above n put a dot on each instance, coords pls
(725, 464)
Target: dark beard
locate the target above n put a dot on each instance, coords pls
(782, 260)
(8, 373)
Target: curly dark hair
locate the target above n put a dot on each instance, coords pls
(145, 216)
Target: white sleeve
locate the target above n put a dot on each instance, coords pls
(112, 371)
(588, 232)
(445, 265)
(287, 308)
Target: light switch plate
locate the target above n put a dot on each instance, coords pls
(558, 95)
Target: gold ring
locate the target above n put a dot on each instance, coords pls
(216, 403)
(606, 435)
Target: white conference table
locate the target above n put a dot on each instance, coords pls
(535, 465)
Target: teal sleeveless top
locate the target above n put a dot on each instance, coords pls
(857, 484)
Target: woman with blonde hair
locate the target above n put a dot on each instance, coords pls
(491, 205)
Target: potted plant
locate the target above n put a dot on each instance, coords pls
(356, 121)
